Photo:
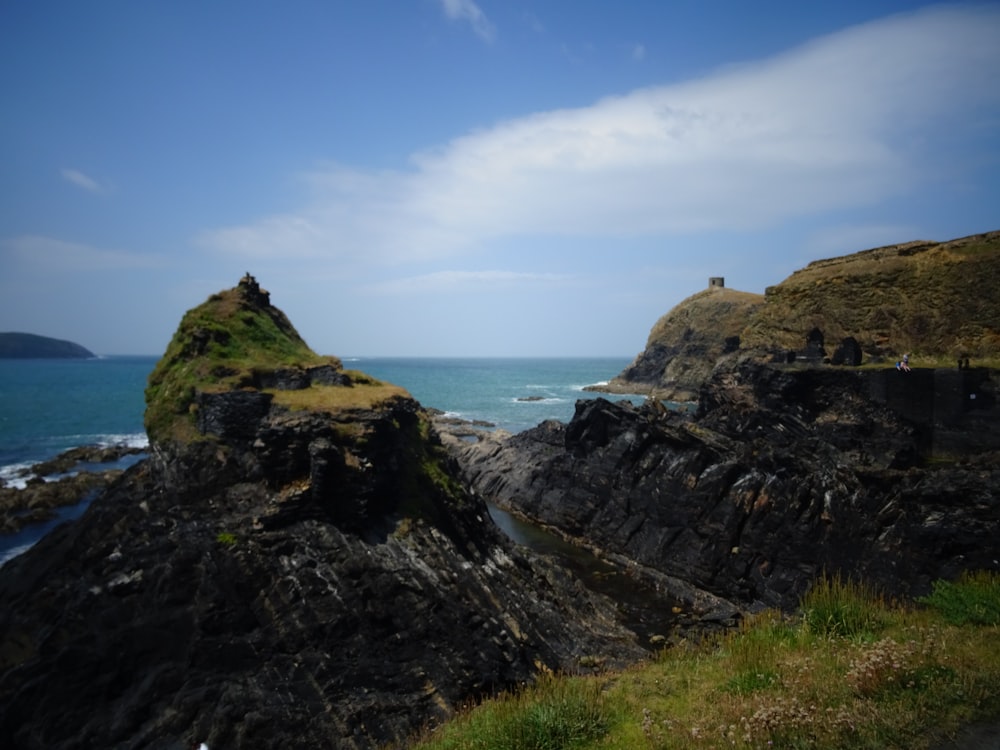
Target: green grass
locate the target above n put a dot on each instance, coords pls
(849, 671)
(220, 345)
(842, 607)
(975, 599)
(552, 714)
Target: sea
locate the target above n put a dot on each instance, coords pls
(49, 406)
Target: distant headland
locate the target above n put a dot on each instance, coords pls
(32, 346)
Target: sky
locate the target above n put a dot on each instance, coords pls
(472, 177)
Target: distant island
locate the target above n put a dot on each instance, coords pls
(31, 346)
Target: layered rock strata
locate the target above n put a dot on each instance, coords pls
(782, 475)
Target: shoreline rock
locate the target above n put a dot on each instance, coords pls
(38, 500)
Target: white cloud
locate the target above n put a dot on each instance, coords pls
(848, 120)
(57, 256)
(638, 51)
(466, 10)
(81, 180)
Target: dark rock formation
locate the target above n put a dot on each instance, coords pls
(848, 353)
(781, 475)
(300, 574)
(59, 482)
(32, 346)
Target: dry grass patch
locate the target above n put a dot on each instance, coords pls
(900, 679)
(335, 398)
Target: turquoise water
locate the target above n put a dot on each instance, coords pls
(512, 393)
(49, 406)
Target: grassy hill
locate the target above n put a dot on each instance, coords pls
(936, 300)
(229, 342)
(32, 346)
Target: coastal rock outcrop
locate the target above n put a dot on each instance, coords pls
(290, 567)
(783, 474)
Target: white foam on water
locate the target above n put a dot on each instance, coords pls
(130, 440)
(16, 475)
(12, 552)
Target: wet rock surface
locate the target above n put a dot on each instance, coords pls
(61, 481)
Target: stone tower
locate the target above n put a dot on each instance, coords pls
(716, 281)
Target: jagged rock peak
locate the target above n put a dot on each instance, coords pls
(252, 292)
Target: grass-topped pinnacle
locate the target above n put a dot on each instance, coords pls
(229, 342)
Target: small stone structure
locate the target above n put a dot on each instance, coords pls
(251, 290)
(716, 281)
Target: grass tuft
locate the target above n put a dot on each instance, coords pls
(555, 713)
(973, 600)
(846, 608)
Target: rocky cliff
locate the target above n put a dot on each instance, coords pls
(783, 474)
(684, 345)
(295, 565)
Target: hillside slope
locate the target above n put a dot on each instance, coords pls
(936, 300)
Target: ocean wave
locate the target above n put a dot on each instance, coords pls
(105, 440)
(11, 552)
(16, 475)
(129, 440)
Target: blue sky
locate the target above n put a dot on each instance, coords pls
(459, 178)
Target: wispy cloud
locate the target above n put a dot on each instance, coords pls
(79, 179)
(847, 120)
(466, 10)
(440, 281)
(533, 22)
(638, 51)
(58, 256)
